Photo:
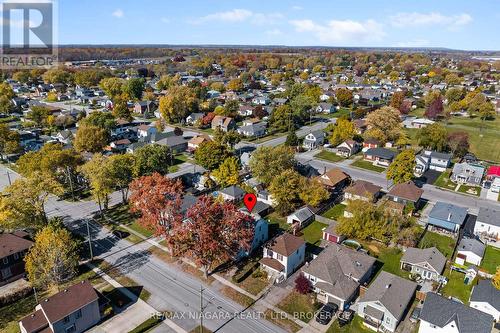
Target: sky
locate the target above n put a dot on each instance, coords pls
(456, 24)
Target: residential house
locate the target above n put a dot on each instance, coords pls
(493, 172)
(146, 130)
(386, 301)
(142, 107)
(406, 193)
(380, 156)
(337, 272)
(465, 173)
(446, 216)
(120, 145)
(314, 139)
(428, 263)
(224, 123)
(413, 122)
(486, 298)
(438, 161)
(488, 224)
(176, 143)
(301, 217)
(334, 179)
(194, 117)
(325, 108)
(347, 148)
(470, 250)
(75, 309)
(260, 236)
(330, 233)
(64, 136)
(260, 209)
(370, 143)
(245, 110)
(261, 100)
(13, 247)
(283, 255)
(360, 125)
(196, 141)
(253, 130)
(232, 193)
(442, 315)
(362, 190)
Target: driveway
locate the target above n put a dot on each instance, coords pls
(127, 320)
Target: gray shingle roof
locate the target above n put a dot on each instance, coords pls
(393, 292)
(486, 292)
(381, 152)
(441, 311)
(489, 216)
(448, 212)
(234, 191)
(472, 245)
(431, 255)
(303, 214)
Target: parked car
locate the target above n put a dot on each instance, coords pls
(415, 315)
(326, 313)
(120, 234)
(345, 317)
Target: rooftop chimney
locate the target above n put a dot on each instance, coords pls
(449, 216)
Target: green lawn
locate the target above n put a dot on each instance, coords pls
(444, 181)
(277, 223)
(300, 306)
(491, 259)
(443, 243)
(390, 257)
(329, 156)
(335, 212)
(367, 165)
(456, 287)
(472, 190)
(147, 325)
(140, 229)
(355, 326)
(313, 233)
(281, 321)
(10, 314)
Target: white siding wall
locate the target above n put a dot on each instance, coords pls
(426, 327)
(486, 308)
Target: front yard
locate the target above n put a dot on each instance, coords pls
(491, 259)
(444, 181)
(355, 326)
(443, 243)
(300, 306)
(335, 212)
(472, 190)
(367, 165)
(10, 314)
(329, 156)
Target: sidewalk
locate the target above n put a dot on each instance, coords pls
(133, 316)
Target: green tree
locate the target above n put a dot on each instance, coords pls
(9, 141)
(6, 95)
(39, 115)
(282, 119)
(227, 173)
(112, 86)
(384, 124)
(121, 171)
(57, 75)
(286, 188)
(235, 85)
(104, 120)
(53, 258)
(90, 138)
(97, 172)
(292, 139)
(22, 204)
(486, 111)
(179, 102)
(152, 158)
(134, 88)
(342, 130)
(313, 192)
(121, 109)
(433, 137)
(402, 168)
(267, 162)
(211, 154)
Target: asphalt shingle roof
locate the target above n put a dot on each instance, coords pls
(431, 255)
(489, 216)
(448, 212)
(441, 311)
(472, 245)
(486, 292)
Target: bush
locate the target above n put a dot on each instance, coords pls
(303, 285)
(259, 274)
(15, 296)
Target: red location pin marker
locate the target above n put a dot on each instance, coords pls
(249, 200)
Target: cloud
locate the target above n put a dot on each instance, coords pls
(402, 20)
(274, 32)
(118, 13)
(336, 31)
(239, 15)
(297, 8)
(413, 43)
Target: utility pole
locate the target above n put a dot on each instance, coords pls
(8, 176)
(36, 296)
(201, 309)
(70, 183)
(90, 241)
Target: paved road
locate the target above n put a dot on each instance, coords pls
(171, 289)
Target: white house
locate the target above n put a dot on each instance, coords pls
(428, 263)
(314, 139)
(471, 251)
(443, 315)
(385, 302)
(488, 225)
(146, 130)
(283, 255)
(486, 298)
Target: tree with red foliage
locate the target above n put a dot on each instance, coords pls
(435, 108)
(302, 285)
(207, 120)
(405, 107)
(458, 143)
(158, 199)
(214, 233)
(259, 112)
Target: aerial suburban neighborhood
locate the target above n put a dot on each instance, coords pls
(205, 187)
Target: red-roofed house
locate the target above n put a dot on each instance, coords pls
(493, 172)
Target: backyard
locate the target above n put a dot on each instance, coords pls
(335, 212)
(389, 257)
(367, 165)
(456, 287)
(491, 259)
(313, 233)
(443, 243)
